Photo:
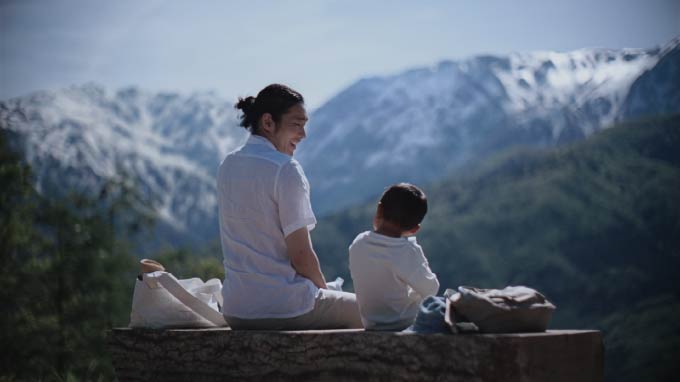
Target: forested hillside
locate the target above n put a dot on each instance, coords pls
(595, 226)
(68, 273)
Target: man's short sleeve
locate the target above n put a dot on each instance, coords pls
(292, 190)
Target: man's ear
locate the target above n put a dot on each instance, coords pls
(267, 123)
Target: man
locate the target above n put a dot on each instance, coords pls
(272, 275)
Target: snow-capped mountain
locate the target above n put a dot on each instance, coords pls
(415, 126)
(656, 91)
(419, 125)
(170, 144)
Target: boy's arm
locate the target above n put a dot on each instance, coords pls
(303, 258)
(419, 276)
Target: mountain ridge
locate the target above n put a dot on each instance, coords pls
(418, 126)
(169, 144)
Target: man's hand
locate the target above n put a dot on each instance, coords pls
(303, 258)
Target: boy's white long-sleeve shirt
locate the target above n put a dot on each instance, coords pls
(391, 277)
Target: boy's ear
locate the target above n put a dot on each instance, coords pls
(413, 230)
(377, 217)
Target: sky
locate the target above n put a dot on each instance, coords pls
(318, 47)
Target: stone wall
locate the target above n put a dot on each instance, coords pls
(222, 354)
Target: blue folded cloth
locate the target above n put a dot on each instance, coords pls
(430, 318)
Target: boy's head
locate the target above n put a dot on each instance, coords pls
(404, 206)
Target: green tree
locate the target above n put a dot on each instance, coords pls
(185, 264)
(67, 274)
(594, 225)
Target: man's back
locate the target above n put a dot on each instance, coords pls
(262, 196)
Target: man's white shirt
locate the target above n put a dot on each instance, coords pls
(263, 196)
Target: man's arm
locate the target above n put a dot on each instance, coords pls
(303, 258)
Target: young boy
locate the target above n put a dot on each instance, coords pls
(390, 272)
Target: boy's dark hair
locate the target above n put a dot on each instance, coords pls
(275, 99)
(404, 204)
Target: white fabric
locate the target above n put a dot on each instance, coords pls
(263, 196)
(336, 284)
(391, 278)
(162, 301)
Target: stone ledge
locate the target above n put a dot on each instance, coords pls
(224, 354)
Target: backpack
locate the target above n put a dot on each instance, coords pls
(513, 309)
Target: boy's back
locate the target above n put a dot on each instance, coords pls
(391, 277)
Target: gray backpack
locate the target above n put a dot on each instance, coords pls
(514, 309)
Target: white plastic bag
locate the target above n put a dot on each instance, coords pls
(336, 284)
(162, 301)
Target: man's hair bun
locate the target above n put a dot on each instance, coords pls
(275, 99)
(247, 106)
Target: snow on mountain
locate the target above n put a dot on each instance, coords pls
(419, 125)
(170, 144)
(554, 80)
(414, 126)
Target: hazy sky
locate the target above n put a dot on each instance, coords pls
(318, 47)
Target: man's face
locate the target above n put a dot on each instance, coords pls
(290, 130)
